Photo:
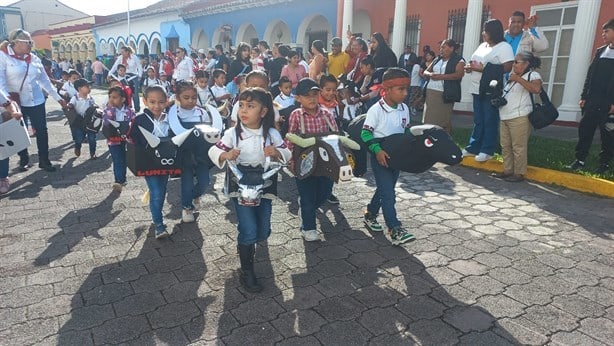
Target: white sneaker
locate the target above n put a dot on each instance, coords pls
(482, 157)
(310, 235)
(466, 153)
(196, 203)
(187, 215)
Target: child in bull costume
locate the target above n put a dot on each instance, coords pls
(387, 117)
(183, 116)
(252, 143)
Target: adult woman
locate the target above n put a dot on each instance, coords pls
(515, 127)
(425, 62)
(383, 56)
(184, 69)
(358, 50)
(318, 63)
(22, 74)
(133, 66)
(490, 61)
(294, 71)
(443, 87)
(241, 64)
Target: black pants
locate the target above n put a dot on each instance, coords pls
(591, 120)
(38, 120)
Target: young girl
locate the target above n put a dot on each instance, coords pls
(151, 78)
(154, 120)
(195, 163)
(117, 109)
(203, 92)
(80, 103)
(250, 142)
(285, 98)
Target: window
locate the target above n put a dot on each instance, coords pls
(412, 32)
(456, 23)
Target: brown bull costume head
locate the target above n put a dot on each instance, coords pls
(322, 155)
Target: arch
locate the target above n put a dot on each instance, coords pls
(362, 23)
(83, 47)
(91, 51)
(156, 47)
(222, 35)
(62, 48)
(278, 31)
(200, 40)
(112, 49)
(143, 48)
(132, 44)
(313, 27)
(246, 33)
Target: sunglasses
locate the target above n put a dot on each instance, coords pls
(519, 61)
(28, 42)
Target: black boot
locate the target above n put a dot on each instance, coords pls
(248, 277)
(46, 165)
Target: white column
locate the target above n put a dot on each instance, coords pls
(580, 58)
(348, 19)
(398, 29)
(473, 31)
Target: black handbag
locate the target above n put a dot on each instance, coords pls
(543, 114)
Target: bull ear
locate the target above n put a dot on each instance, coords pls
(301, 142)
(179, 139)
(151, 139)
(348, 142)
(418, 130)
(233, 167)
(114, 123)
(266, 175)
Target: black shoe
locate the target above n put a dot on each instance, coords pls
(333, 199)
(23, 167)
(576, 165)
(248, 276)
(46, 166)
(603, 168)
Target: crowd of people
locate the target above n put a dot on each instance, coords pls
(263, 93)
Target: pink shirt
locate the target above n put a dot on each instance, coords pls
(97, 67)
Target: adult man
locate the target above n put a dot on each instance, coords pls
(98, 69)
(407, 54)
(337, 59)
(531, 40)
(221, 59)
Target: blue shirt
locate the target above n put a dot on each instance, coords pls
(514, 41)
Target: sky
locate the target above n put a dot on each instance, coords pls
(96, 7)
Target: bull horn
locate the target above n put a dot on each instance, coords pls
(179, 139)
(151, 139)
(300, 141)
(418, 130)
(114, 123)
(348, 142)
(233, 167)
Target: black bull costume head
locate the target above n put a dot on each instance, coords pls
(249, 183)
(116, 130)
(412, 152)
(322, 155)
(159, 157)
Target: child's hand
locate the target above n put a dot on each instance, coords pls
(271, 151)
(230, 155)
(382, 158)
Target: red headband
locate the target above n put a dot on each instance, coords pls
(401, 81)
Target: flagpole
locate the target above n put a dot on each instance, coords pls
(128, 37)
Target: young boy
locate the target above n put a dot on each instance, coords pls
(328, 101)
(166, 85)
(219, 88)
(313, 191)
(151, 78)
(597, 102)
(387, 117)
(68, 89)
(81, 102)
(285, 98)
(202, 88)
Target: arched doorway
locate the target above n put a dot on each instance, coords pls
(91, 53)
(143, 48)
(247, 33)
(222, 35)
(156, 47)
(75, 53)
(314, 27)
(278, 31)
(200, 40)
(361, 25)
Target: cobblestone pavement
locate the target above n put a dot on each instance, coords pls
(494, 263)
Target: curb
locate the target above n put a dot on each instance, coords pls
(571, 181)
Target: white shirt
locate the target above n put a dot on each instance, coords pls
(416, 80)
(305, 65)
(284, 101)
(68, 89)
(133, 66)
(12, 73)
(149, 82)
(384, 120)
(219, 91)
(176, 115)
(81, 104)
(64, 65)
(349, 111)
(120, 114)
(203, 96)
(518, 99)
(497, 54)
(438, 68)
(184, 70)
(608, 53)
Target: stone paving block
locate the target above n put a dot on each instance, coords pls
(492, 260)
(298, 323)
(334, 268)
(469, 318)
(528, 294)
(556, 261)
(551, 318)
(257, 310)
(164, 336)
(87, 317)
(384, 321)
(9, 317)
(521, 331)
(456, 252)
(598, 294)
(153, 282)
(601, 329)
(26, 295)
(578, 306)
(484, 338)
(73, 337)
(343, 333)
(253, 334)
(336, 286)
(432, 259)
(106, 294)
(54, 306)
(300, 298)
(596, 268)
(533, 268)
(501, 306)
(120, 330)
(340, 308)
(173, 314)
(421, 307)
(410, 285)
(366, 259)
(300, 341)
(468, 267)
(577, 277)
(376, 296)
(482, 285)
(138, 304)
(453, 295)
(509, 276)
(210, 326)
(8, 283)
(123, 274)
(433, 332)
(574, 338)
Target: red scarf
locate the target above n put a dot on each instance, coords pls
(27, 58)
(327, 104)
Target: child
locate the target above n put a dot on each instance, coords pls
(117, 109)
(151, 78)
(285, 98)
(182, 117)
(328, 101)
(68, 89)
(311, 119)
(387, 117)
(256, 60)
(252, 140)
(218, 90)
(203, 92)
(165, 84)
(154, 120)
(81, 102)
(350, 106)
(254, 79)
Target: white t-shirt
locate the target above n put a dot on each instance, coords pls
(219, 91)
(497, 54)
(518, 99)
(81, 104)
(438, 68)
(384, 120)
(608, 53)
(284, 101)
(415, 76)
(203, 96)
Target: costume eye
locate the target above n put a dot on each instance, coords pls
(428, 143)
(324, 154)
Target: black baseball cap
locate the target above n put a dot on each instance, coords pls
(305, 85)
(81, 82)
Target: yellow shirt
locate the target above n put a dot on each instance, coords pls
(337, 63)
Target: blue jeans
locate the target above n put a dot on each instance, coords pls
(485, 126)
(189, 190)
(254, 222)
(135, 96)
(157, 194)
(118, 155)
(313, 191)
(384, 196)
(38, 120)
(79, 136)
(4, 168)
(98, 79)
